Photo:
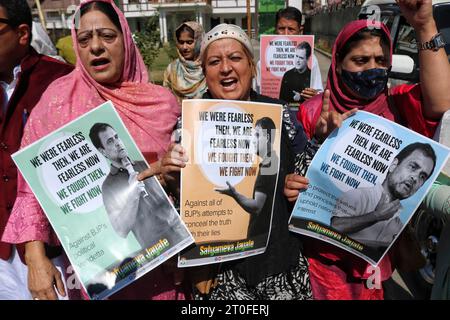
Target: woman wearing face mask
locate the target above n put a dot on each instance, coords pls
(184, 76)
(357, 79)
(109, 67)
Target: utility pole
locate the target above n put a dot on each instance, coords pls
(249, 20)
(41, 15)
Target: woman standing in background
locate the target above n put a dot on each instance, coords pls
(184, 76)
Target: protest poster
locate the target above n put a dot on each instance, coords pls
(228, 185)
(286, 63)
(442, 135)
(113, 228)
(366, 182)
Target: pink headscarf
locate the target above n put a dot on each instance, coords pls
(341, 100)
(148, 111)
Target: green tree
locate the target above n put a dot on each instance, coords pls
(148, 40)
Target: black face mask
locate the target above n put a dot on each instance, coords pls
(368, 83)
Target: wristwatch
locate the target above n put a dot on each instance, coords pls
(434, 44)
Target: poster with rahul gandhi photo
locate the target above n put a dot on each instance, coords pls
(365, 183)
(229, 182)
(113, 228)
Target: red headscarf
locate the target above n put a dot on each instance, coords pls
(148, 111)
(341, 100)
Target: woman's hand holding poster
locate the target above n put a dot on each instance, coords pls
(366, 181)
(286, 63)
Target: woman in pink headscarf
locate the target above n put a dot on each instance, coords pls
(362, 56)
(109, 67)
